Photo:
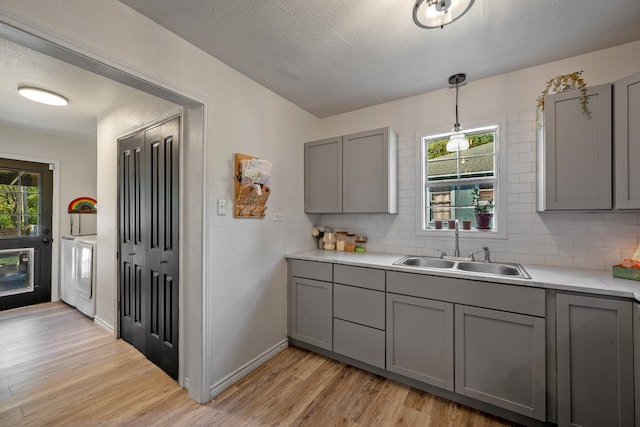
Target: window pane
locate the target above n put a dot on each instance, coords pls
(437, 148)
(443, 168)
(465, 171)
(16, 271)
(30, 180)
(29, 225)
(8, 225)
(8, 177)
(8, 201)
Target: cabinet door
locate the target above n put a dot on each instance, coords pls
(636, 339)
(627, 142)
(500, 359)
(311, 312)
(323, 176)
(370, 171)
(420, 339)
(577, 151)
(595, 361)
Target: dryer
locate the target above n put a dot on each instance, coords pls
(85, 274)
(67, 273)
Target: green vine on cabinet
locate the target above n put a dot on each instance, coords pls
(562, 83)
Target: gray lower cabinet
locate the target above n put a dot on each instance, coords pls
(636, 341)
(310, 314)
(500, 359)
(595, 361)
(420, 339)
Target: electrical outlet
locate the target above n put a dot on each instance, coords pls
(278, 216)
(222, 207)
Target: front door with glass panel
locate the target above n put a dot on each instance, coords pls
(26, 190)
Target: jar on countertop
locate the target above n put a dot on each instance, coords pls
(341, 240)
(350, 244)
(361, 244)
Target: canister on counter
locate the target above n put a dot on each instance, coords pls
(350, 244)
(341, 240)
(361, 244)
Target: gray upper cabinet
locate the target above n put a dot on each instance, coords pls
(627, 142)
(323, 176)
(352, 173)
(370, 171)
(500, 359)
(594, 339)
(576, 171)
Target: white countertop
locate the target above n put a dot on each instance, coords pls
(565, 279)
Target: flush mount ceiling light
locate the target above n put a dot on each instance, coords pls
(438, 13)
(458, 141)
(43, 96)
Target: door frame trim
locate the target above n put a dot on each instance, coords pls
(55, 216)
(195, 368)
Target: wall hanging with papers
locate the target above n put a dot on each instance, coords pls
(251, 186)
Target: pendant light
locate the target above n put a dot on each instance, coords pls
(438, 13)
(458, 141)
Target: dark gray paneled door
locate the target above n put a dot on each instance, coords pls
(149, 242)
(26, 199)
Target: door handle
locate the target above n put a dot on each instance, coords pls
(45, 240)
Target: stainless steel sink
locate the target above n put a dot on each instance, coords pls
(463, 265)
(421, 261)
(491, 268)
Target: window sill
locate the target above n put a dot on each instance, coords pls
(471, 234)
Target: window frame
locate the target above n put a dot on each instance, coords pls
(500, 187)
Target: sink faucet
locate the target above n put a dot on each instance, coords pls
(456, 251)
(487, 254)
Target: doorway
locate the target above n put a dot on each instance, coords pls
(26, 198)
(148, 230)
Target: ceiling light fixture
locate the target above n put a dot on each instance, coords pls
(457, 141)
(43, 96)
(438, 13)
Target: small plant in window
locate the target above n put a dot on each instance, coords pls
(562, 83)
(483, 210)
(481, 206)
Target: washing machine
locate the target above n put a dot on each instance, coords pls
(85, 274)
(67, 267)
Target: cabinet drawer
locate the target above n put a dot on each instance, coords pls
(312, 270)
(512, 298)
(359, 305)
(359, 342)
(369, 278)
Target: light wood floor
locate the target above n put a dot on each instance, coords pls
(58, 369)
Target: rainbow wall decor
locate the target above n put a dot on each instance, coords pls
(83, 205)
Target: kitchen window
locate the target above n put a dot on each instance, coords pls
(453, 181)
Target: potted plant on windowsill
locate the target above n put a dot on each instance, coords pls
(483, 210)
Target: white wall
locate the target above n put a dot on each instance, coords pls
(245, 275)
(582, 240)
(76, 157)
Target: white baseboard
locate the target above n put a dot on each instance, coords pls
(245, 370)
(104, 325)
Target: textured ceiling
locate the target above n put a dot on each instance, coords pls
(90, 95)
(333, 56)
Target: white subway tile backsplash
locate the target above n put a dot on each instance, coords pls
(582, 240)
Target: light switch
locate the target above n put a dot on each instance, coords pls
(222, 207)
